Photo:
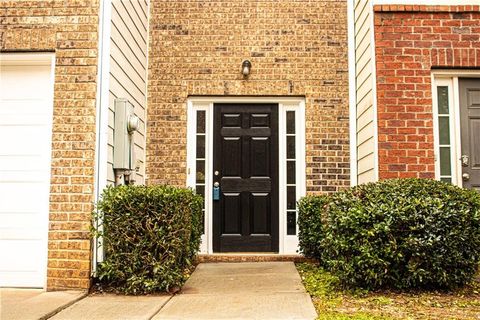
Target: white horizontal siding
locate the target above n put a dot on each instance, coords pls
(128, 73)
(365, 169)
(364, 93)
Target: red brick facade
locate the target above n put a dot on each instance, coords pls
(410, 41)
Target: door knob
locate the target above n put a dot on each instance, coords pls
(465, 160)
(465, 177)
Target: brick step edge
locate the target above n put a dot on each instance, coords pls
(206, 258)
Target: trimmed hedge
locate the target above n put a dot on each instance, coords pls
(151, 235)
(400, 233)
(310, 224)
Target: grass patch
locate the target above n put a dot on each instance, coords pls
(333, 302)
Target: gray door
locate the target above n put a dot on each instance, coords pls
(470, 131)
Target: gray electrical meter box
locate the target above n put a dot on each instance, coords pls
(126, 123)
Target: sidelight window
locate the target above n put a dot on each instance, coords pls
(444, 125)
(200, 159)
(444, 145)
(291, 174)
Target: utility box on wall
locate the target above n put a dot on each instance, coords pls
(126, 123)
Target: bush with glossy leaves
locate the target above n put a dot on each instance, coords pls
(151, 235)
(399, 233)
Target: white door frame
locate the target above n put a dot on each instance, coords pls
(450, 78)
(288, 244)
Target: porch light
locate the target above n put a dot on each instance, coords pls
(246, 66)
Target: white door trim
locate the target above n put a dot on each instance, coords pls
(287, 244)
(450, 78)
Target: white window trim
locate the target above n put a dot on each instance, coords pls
(287, 244)
(38, 59)
(450, 78)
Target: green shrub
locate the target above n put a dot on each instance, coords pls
(310, 225)
(150, 237)
(402, 233)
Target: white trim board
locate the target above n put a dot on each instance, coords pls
(352, 91)
(102, 101)
(26, 59)
(287, 244)
(147, 74)
(427, 2)
(374, 97)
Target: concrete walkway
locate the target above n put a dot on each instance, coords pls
(34, 304)
(246, 290)
(114, 307)
(256, 290)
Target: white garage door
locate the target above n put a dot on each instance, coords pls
(26, 104)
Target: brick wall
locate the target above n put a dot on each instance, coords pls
(70, 29)
(297, 48)
(411, 41)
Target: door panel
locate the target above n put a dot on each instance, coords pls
(232, 163)
(475, 145)
(470, 131)
(233, 213)
(260, 220)
(260, 156)
(245, 218)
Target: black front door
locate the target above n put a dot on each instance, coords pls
(470, 132)
(245, 168)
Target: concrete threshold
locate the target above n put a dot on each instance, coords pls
(250, 257)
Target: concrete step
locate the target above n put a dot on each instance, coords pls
(250, 257)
